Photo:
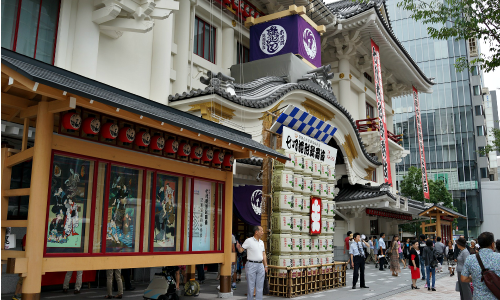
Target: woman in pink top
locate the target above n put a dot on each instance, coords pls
(401, 256)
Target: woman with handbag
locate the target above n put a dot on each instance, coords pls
(430, 263)
(414, 264)
(394, 255)
(462, 287)
(449, 253)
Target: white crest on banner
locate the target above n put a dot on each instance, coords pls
(309, 43)
(272, 39)
(256, 201)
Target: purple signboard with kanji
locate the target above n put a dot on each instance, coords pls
(291, 34)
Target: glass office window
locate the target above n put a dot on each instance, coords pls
(481, 153)
(480, 130)
(484, 173)
(474, 70)
(476, 90)
(479, 110)
(69, 208)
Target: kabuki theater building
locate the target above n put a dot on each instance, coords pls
(129, 136)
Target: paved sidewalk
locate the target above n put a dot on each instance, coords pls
(381, 286)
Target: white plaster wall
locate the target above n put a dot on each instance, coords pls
(491, 207)
(125, 63)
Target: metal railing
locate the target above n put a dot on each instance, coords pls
(366, 125)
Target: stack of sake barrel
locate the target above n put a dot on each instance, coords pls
(293, 185)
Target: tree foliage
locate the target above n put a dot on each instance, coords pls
(463, 20)
(496, 142)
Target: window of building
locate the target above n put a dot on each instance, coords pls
(243, 54)
(480, 130)
(368, 77)
(484, 172)
(204, 40)
(474, 70)
(481, 149)
(374, 227)
(110, 208)
(29, 27)
(476, 90)
(369, 111)
(479, 110)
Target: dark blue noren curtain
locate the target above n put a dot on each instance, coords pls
(247, 202)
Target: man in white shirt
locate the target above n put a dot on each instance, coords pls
(381, 251)
(256, 266)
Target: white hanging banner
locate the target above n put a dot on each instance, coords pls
(300, 143)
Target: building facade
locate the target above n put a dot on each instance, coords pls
(453, 121)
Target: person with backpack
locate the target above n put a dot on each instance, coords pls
(430, 262)
(463, 287)
(483, 269)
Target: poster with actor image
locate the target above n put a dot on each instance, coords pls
(165, 215)
(203, 216)
(124, 190)
(69, 202)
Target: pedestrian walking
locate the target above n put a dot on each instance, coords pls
(256, 267)
(109, 283)
(401, 255)
(406, 251)
(394, 261)
(78, 283)
(439, 248)
(126, 279)
(463, 287)
(450, 257)
(358, 260)
(421, 247)
(381, 251)
(201, 273)
(430, 262)
(472, 271)
(473, 248)
(414, 264)
(347, 242)
(371, 255)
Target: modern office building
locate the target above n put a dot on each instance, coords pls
(453, 119)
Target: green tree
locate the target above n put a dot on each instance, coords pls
(496, 143)
(411, 187)
(462, 20)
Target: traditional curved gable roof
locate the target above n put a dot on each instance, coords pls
(443, 209)
(264, 92)
(360, 192)
(346, 9)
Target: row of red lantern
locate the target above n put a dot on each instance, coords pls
(386, 214)
(127, 135)
(242, 8)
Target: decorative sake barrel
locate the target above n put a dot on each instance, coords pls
(282, 222)
(299, 164)
(324, 171)
(330, 193)
(324, 208)
(316, 188)
(282, 261)
(298, 183)
(282, 201)
(283, 180)
(316, 169)
(305, 224)
(297, 203)
(307, 185)
(281, 243)
(289, 164)
(308, 166)
(331, 174)
(306, 205)
(323, 186)
(296, 243)
(305, 239)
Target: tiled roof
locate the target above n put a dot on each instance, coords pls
(349, 8)
(78, 85)
(413, 203)
(360, 192)
(254, 161)
(266, 91)
(449, 210)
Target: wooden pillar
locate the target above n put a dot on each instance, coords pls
(438, 224)
(6, 175)
(225, 270)
(35, 234)
(190, 272)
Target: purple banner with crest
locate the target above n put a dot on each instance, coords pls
(291, 34)
(247, 202)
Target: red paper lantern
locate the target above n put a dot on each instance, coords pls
(252, 12)
(227, 2)
(228, 161)
(71, 121)
(256, 15)
(208, 155)
(126, 135)
(143, 139)
(245, 10)
(171, 146)
(91, 125)
(218, 157)
(236, 5)
(184, 149)
(197, 152)
(109, 131)
(157, 143)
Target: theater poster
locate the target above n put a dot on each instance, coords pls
(379, 92)
(203, 215)
(423, 169)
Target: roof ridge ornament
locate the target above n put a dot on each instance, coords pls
(219, 81)
(321, 77)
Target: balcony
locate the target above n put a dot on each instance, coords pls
(367, 125)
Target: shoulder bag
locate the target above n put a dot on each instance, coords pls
(489, 277)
